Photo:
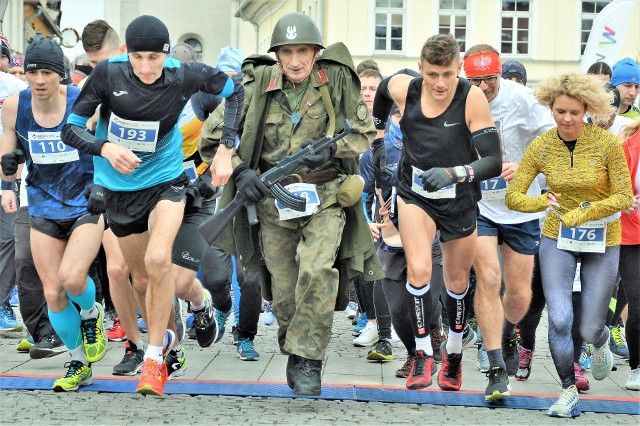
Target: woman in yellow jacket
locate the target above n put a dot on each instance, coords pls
(589, 185)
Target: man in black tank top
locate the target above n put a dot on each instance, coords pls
(450, 144)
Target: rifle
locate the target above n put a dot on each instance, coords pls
(213, 227)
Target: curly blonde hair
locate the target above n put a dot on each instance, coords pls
(629, 130)
(586, 88)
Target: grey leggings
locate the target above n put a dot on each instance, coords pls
(598, 274)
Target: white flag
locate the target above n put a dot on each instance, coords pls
(607, 34)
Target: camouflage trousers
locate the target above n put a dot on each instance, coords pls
(304, 282)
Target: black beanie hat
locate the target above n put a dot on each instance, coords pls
(147, 34)
(44, 53)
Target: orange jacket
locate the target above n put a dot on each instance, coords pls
(631, 222)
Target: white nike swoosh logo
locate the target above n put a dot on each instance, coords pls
(466, 229)
(124, 92)
(176, 365)
(450, 124)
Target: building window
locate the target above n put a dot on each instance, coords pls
(389, 19)
(452, 19)
(197, 46)
(590, 10)
(516, 18)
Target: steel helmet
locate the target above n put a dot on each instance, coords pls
(295, 28)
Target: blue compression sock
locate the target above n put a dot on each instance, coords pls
(67, 324)
(87, 298)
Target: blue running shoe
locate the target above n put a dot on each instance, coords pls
(246, 351)
(585, 357)
(221, 319)
(13, 298)
(8, 320)
(361, 324)
(142, 326)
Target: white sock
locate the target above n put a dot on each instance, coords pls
(90, 313)
(199, 307)
(454, 343)
(77, 354)
(154, 352)
(424, 344)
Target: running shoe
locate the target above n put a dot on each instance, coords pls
(498, 387)
(585, 357)
(524, 365)
(617, 342)
(205, 322)
(510, 355)
(246, 351)
(601, 361)
(234, 334)
(25, 345)
(268, 318)
(403, 372)
(8, 320)
(634, 380)
(421, 371)
(450, 375)
(221, 319)
(176, 364)
(582, 384)
(94, 338)
(49, 345)
(566, 405)
(482, 359)
(142, 326)
(381, 351)
(77, 375)
(468, 337)
(362, 323)
(154, 376)
(368, 336)
(132, 360)
(116, 333)
(352, 310)
(167, 344)
(14, 301)
(109, 317)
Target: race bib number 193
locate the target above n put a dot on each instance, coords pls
(136, 135)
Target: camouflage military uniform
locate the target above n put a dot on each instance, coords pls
(300, 253)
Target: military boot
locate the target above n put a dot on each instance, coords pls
(291, 369)
(306, 376)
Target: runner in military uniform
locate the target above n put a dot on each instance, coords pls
(304, 96)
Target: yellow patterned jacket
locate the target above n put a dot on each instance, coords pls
(596, 172)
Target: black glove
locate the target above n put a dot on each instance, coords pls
(320, 158)
(437, 178)
(204, 187)
(95, 199)
(10, 162)
(249, 185)
(379, 157)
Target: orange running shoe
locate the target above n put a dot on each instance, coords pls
(117, 333)
(450, 376)
(154, 376)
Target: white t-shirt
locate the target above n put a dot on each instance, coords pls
(9, 85)
(619, 123)
(519, 119)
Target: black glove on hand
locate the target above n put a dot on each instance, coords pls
(379, 157)
(204, 187)
(319, 158)
(437, 178)
(95, 196)
(10, 162)
(249, 185)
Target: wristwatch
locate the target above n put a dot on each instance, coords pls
(228, 142)
(460, 172)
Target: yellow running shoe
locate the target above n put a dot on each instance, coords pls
(94, 337)
(77, 375)
(25, 345)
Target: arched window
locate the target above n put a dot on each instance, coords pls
(197, 46)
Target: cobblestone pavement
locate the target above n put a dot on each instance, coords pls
(345, 364)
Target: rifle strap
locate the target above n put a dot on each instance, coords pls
(326, 100)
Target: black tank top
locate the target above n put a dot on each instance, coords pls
(442, 141)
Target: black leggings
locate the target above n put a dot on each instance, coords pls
(629, 270)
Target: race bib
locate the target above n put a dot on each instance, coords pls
(416, 186)
(190, 169)
(304, 190)
(589, 237)
(136, 135)
(494, 188)
(48, 148)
